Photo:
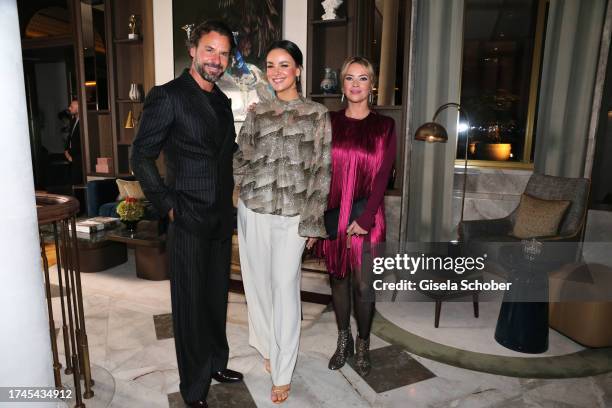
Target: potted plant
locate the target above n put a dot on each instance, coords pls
(130, 212)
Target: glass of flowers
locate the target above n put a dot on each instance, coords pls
(130, 212)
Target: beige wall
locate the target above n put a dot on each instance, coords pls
(162, 36)
(294, 29)
(295, 23)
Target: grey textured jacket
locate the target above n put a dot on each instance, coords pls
(283, 161)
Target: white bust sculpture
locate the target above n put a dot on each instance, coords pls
(330, 7)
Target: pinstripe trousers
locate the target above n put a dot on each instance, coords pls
(270, 261)
(199, 281)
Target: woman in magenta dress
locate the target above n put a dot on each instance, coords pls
(363, 153)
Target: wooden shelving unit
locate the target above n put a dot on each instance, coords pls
(119, 62)
(133, 62)
(338, 21)
(329, 43)
(128, 41)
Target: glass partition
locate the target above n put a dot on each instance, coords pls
(94, 52)
(502, 41)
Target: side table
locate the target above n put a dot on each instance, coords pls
(454, 250)
(523, 325)
(438, 276)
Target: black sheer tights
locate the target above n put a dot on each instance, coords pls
(341, 297)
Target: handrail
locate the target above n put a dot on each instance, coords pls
(53, 207)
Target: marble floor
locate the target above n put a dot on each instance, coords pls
(133, 361)
(458, 327)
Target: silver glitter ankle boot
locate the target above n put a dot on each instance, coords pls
(362, 356)
(344, 349)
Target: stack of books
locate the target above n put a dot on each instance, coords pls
(96, 224)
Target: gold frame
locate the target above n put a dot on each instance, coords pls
(496, 164)
(534, 84)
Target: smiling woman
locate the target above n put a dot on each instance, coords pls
(283, 163)
(364, 149)
(284, 69)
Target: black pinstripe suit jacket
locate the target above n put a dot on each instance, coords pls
(198, 144)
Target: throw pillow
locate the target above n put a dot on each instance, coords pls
(122, 191)
(538, 218)
(130, 188)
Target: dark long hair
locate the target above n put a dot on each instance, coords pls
(295, 53)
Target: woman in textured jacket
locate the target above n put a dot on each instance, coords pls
(283, 169)
(363, 153)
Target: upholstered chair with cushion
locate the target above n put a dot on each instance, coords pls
(99, 193)
(543, 188)
(551, 209)
(104, 195)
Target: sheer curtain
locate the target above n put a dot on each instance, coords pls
(437, 80)
(569, 66)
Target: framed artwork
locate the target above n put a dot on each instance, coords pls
(255, 24)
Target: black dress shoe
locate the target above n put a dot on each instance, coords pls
(199, 403)
(227, 376)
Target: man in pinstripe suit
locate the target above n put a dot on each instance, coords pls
(190, 119)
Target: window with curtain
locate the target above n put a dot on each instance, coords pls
(502, 47)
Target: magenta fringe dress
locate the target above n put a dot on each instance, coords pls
(363, 153)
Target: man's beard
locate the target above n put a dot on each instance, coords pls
(208, 77)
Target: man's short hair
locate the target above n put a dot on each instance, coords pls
(206, 27)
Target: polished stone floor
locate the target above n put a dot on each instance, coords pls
(132, 353)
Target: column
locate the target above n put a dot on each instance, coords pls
(388, 53)
(437, 80)
(25, 350)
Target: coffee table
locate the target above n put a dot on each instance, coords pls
(96, 253)
(149, 249)
(107, 249)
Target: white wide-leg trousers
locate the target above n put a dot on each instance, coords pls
(270, 261)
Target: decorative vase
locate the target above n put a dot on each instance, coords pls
(329, 84)
(134, 93)
(129, 120)
(330, 7)
(130, 225)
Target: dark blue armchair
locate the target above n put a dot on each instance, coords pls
(102, 199)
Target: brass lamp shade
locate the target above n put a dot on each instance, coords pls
(431, 132)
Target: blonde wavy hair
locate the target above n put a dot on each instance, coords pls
(364, 62)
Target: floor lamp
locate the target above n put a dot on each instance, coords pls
(433, 132)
